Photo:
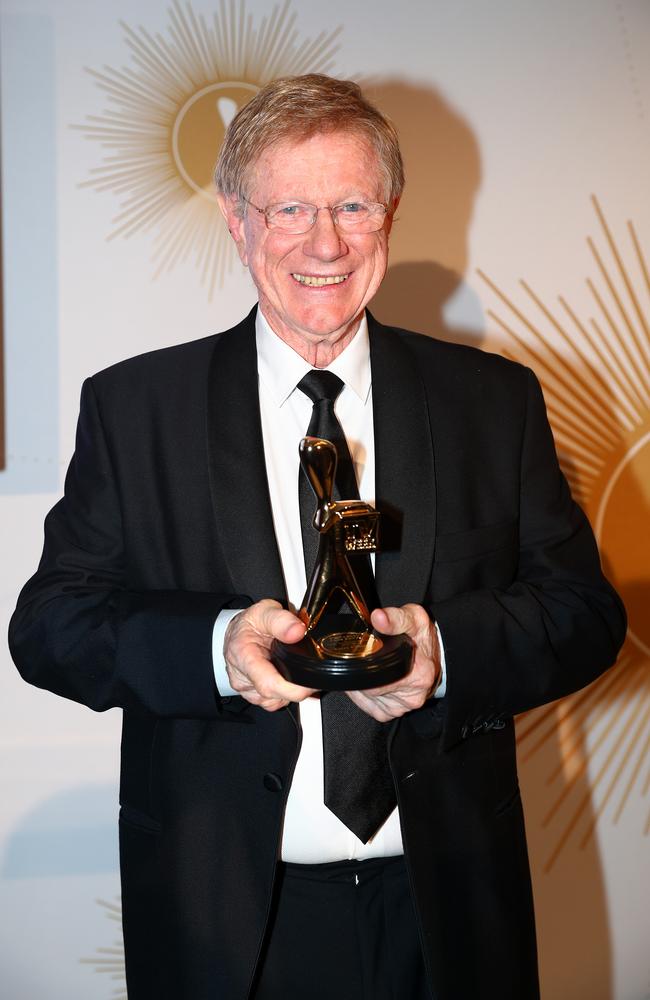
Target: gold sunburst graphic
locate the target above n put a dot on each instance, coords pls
(595, 371)
(109, 961)
(167, 113)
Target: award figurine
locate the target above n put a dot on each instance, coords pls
(340, 652)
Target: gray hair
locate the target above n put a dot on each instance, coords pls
(293, 108)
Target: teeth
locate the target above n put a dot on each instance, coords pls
(311, 279)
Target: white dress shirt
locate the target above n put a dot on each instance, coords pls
(312, 834)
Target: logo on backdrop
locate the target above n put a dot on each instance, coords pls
(166, 115)
(595, 372)
(109, 961)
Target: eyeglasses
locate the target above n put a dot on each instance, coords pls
(295, 217)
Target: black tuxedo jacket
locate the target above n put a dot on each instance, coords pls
(166, 520)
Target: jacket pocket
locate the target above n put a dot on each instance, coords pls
(133, 817)
(483, 557)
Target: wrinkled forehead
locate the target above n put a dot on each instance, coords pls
(291, 167)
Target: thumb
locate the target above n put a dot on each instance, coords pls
(283, 625)
(290, 631)
(410, 619)
(390, 621)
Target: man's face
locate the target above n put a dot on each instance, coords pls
(317, 320)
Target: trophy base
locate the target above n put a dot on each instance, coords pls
(337, 659)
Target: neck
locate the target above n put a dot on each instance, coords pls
(319, 353)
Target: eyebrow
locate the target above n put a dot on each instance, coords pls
(354, 196)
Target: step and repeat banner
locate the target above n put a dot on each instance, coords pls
(524, 229)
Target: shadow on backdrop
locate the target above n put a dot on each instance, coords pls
(71, 833)
(429, 242)
(428, 261)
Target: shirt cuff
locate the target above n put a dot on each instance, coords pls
(441, 690)
(218, 661)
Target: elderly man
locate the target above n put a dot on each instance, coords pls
(275, 844)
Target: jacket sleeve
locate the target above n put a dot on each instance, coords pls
(555, 628)
(80, 632)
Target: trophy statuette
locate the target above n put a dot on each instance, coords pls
(340, 652)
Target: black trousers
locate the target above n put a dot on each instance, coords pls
(343, 931)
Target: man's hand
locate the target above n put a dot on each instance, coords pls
(412, 691)
(246, 650)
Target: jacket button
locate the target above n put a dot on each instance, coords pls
(273, 782)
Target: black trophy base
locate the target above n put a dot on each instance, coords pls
(338, 659)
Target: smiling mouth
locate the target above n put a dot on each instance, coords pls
(317, 281)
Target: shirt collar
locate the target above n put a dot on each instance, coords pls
(280, 368)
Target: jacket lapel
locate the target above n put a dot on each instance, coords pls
(404, 470)
(240, 493)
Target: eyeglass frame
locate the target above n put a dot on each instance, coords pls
(332, 209)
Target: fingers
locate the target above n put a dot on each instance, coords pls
(253, 676)
(381, 709)
(410, 692)
(247, 654)
(384, 704)
(262, 685)
(257, 680)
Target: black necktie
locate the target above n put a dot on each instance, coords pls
(357, 779)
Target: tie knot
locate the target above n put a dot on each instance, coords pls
(319, 384)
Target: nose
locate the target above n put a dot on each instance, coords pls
(324, 240)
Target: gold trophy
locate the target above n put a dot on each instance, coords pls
(340, 652)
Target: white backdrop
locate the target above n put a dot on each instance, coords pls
(513, 114)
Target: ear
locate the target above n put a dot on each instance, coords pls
(391, 215)
(231, 211)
